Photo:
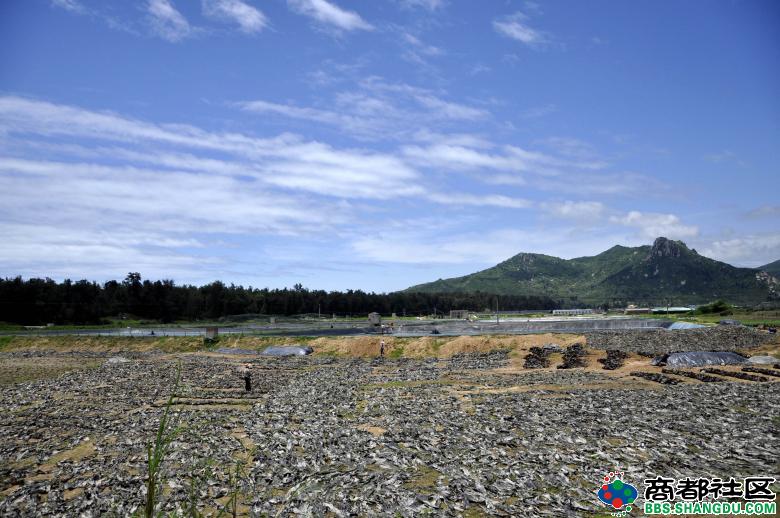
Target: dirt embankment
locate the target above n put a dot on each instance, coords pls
(436, 347)
(721, 338)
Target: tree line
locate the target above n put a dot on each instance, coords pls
(41, 301)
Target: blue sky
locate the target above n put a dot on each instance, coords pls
(380, 144)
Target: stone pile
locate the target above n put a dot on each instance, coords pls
(737, 374)
(759, 370)
(573, 357)
(614, 359)
(658, 378)
(537, 358)
(694, 375)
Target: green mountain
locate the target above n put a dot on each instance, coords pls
(667, 271)
(771, 268)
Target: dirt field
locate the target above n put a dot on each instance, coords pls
(442, 426)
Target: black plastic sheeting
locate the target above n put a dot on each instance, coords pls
(699, 359)
(290, 350)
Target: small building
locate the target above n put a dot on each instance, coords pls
(637, 311)
(461, 314)
(572, 312)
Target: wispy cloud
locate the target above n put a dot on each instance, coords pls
(249, 19)
(430, 5)
(418, 52)
(450, 156)
(540, 111)
(584, 211)
(195, 183)
(77, 7)
(376, 110)
(484, 200)
(70, 5)
(166, 21)
(330, 15)
(516, 26)
(725, 157)
(765, 211)
(651, 225)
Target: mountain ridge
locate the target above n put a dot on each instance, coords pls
(665, 271)
(771, 268)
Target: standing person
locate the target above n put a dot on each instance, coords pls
(382, 348)
(246, 373)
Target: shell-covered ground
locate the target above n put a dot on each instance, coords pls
(468, 432)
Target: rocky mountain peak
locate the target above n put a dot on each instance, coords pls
(663, 247)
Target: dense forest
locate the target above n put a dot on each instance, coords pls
(41, 301)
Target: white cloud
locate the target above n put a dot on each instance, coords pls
(430, 5)
(516, 27)
(166, 21)
(330, 14)
(70, 5)
(129, 195)
(485, 200)
(585, 211)
(285, 161)
(376, 110)
(249, 19)
(726, 157)
(509, 159)
(652, 225)
(765, 211)
(423, 48)
(749, 250)
(418, 51)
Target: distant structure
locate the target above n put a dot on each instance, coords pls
(374, 318)
(459, 313)
(570, 312)
(633, 310)
(674, 309)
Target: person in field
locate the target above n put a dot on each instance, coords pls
(382, 348)
(246, 373)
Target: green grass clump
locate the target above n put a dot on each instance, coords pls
(396, 353)
(4, 341)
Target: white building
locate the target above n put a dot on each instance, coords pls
(570, 312)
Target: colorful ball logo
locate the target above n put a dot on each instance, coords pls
(617, 494)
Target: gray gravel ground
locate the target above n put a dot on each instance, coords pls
(660, 341)
(341, 437)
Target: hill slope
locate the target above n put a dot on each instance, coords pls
(771, 268)
(643, 275)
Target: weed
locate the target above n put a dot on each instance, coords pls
(167, 432)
